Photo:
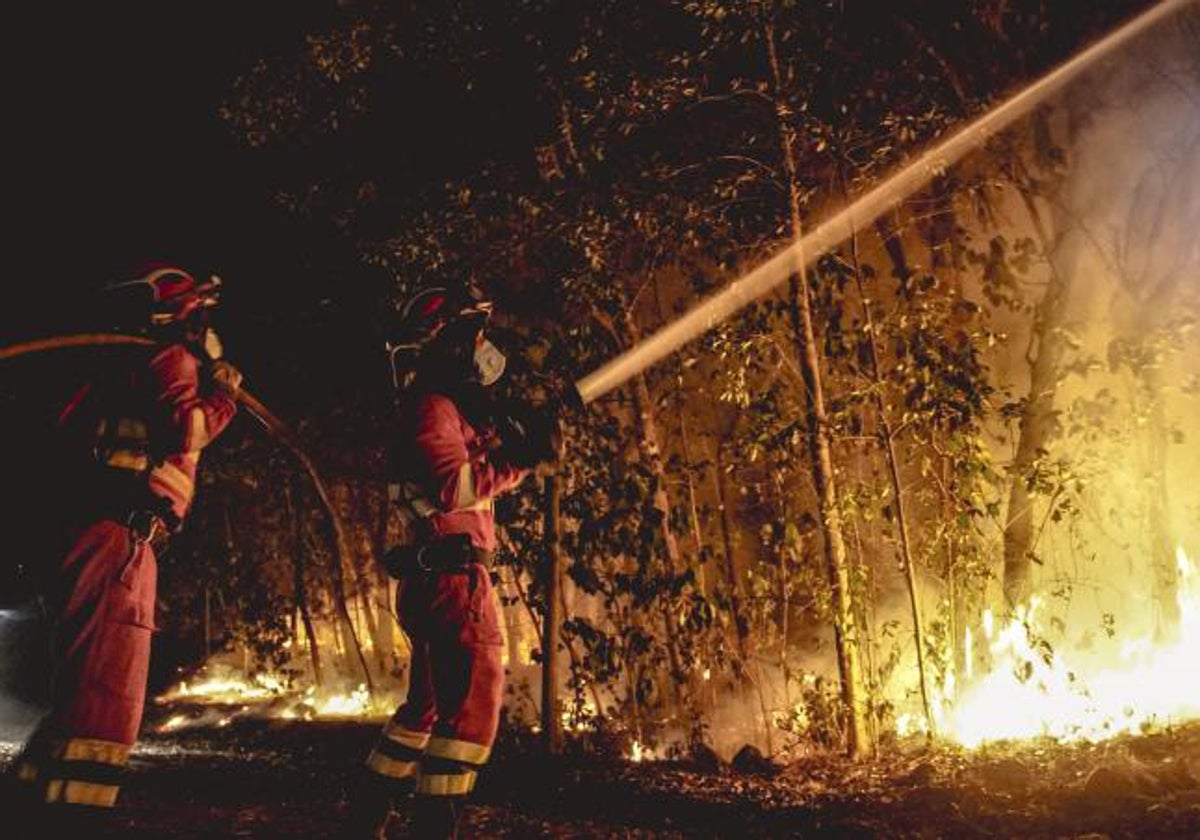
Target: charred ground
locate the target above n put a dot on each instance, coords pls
(277, 778)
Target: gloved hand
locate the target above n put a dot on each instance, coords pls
(212, 345)
(226, 377)
(530, 436)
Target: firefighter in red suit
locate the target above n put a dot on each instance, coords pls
(135, 436)
(451, 464)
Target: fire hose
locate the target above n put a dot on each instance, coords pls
(272, 424)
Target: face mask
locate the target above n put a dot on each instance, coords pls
(212, 344)
(489, 363)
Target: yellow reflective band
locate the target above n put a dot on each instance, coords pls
(126, 459)
(93, 749)
(197, 433)
(446, 785)
(463, 751)
(406, 737)
(385, 766)
(465, 496)
(174, 478)
(90, 793)
(26, 772)
(54, 790)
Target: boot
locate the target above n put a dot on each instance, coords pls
(436, 817)
(371, 807)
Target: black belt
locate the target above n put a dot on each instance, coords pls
(446, 555)
(124, 497)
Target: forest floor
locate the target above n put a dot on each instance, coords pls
(290, 779)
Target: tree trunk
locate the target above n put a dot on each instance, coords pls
(388, 628)
(1162, 548)
(685, 446)
(298, 583)
(1038, 425)
(648, 438)
(207, 623)
(785, 556)
(732, 579)
(552, 620)
(364, 561)
(741, 628)
(693, 505)
(858, 741)
(887, 440)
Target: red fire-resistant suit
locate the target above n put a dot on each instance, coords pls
(443, 733)
(149, 427)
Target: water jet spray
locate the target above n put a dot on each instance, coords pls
(861, 212)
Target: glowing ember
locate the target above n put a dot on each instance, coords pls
(637, 752)
(1032, 691)
(357, 703)
(174, 722)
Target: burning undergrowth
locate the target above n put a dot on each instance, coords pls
(217, 695)
(1027, 676)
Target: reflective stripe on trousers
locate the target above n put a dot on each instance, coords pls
(74, 771)
(102, 652)
(443, 733)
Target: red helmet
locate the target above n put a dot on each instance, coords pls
(438, 323)
(430, 310)
(175, 294)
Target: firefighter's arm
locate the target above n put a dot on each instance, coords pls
(461, 480)
(194, 418)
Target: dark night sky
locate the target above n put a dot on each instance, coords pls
(118, 147)
(117, 155)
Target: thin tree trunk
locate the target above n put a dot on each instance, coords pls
(685, 445)
(566, 640)
(732, 579)
(693, 506)
(552, 620)
(1162, 548)
(344, 623)
(651, 447)
(784, 557)
(1037, 426)
(389, 629)
(741, 628)
(207, 623)
(365, 561)
(648, 442)
(299, 585)
(858, 740)
(887, 439)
